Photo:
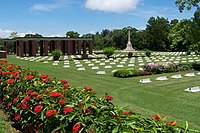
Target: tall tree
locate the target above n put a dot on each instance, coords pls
(157, 32)
(187, 4)
(72, 34)
(182, 35)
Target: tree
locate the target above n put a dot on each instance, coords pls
(187, 4)
(33, 35)
(181, 35)
(13, 35)
(72, 34)
(157, 33)
(1, 44)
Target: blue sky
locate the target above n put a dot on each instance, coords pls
(56, 17)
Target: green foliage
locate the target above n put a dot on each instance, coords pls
(130, 54)
(184, 67)
(187, 4)
(157, 32)
(33, 35)
(40, 101)
(148, 53)
(56, 54)
(196, 66)
(72, 34)
(125, 73)
(109, 51)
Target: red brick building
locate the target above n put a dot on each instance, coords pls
(44, 45)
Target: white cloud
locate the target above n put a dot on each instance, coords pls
(55, 35)
(5, 33)
(49, 6)
(117, 6)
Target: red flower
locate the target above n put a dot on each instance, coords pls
(109, 97)
(27, 98)
(88, 88)
(38, 108)
(31, 128)
(174, 124)
(25, 106)
(17, 77)
(168, 123)
(125, 112)
(76, 127)
(66, 85)
(67, 110)
(43, 76)
(19, 105)
(63, 81)
(33, 94)
(0, 67)
(50, 112)
(29, 77)
(8, 105)
(10, 81)
(6, 73)
(15, 99)
(81, 104)
(11, 91)
(56, 94)
(156, 117)
(29, 92)
(62, 101)
(88, 110)
(17, 117)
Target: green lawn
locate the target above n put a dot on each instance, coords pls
(166, 98)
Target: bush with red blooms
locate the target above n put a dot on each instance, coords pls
(38, 104)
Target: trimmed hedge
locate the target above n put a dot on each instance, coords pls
(38, 104)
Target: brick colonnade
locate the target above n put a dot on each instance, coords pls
(30, 47)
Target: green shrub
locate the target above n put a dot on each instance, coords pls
(143, 73)
(130, 54)
(184, 67)
(125, 73)
(196, 66)
(56, 54)
(148, 53)
(109, 51)
(37, 103)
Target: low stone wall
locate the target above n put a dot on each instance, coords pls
(3, 54)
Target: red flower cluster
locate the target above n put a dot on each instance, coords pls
(29, 77)
(76, 127)
(27, 98)
(10, 81)
(108, 97)
(62, 101)
(8, 105)
(63, 81)
(4, 62)
(38, 108)
(88, 88)
(66, 85)
(171, 123)
(17, 117)
(15, 99)
(67, 110)
(156, 117)
(56, 94)
(6, 73)
(45, 78)
(125, 112)
(50, 112)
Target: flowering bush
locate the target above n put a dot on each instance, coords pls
(161, 67)
(39, 104)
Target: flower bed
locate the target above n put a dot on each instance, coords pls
(38, 104)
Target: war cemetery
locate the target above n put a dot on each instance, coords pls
(113, 81)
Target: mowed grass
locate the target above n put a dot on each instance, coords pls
(166, 98)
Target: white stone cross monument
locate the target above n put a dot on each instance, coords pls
(129, 45)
